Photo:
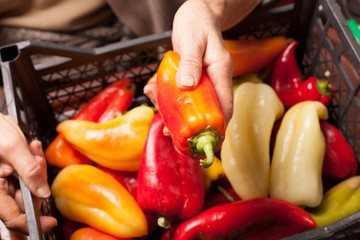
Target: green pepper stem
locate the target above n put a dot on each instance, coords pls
(205, 142)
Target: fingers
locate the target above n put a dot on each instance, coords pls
(189, 70)
(220, 73)
(15, 152)
(150, 90)
(198, 40)
(12, 215)
(47, 222)
(189, 41)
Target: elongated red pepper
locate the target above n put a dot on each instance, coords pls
(169, 182)
(340, 160)
(257, 218)
(103, 107)
(287, 82)
(194, 118)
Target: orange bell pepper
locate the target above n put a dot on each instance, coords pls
(117, 144)
(103, 107)
(88, 233)
(253, 54)
(86, 194)
(194, 118)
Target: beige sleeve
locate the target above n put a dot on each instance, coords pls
(145, 16)
(64, 15)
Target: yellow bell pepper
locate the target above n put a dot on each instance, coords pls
(245, 152)
(215, 171)
(339, 202)
(298, 155)
(86, 194)
(117, 144)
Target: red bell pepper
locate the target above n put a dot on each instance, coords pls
(257, 218)
(194, 118)
(287, 81)
(103, 107)
(340, 160)
(169, 182)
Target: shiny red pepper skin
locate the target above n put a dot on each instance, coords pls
(257, 218)
(287, 82)
(127, 179)
(169, 182)
(340, 160)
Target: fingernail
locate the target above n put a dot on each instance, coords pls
(187, 81)
(43, 191)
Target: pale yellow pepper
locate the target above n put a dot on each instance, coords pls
(117, 144)
(86, 194)
(245, 152)
(298, 155)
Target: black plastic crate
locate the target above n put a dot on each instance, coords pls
(41, 95)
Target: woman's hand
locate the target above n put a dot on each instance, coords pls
(197, 38)
(28, 161)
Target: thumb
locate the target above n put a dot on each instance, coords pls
(190, 68)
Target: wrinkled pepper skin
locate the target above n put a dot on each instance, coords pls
(85, 194)
(287, 81)
(115, 97)
(194, 118)
(258, 218)
(116, 144)
(169, 182)
(254, 54)
(340, 160)
(339, 201)
(245, 152)
(296, 167)
(88, 233)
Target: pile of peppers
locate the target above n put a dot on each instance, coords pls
(259, 177)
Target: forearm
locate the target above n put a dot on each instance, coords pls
(228, 13)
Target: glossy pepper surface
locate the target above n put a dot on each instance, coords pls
(114, 98)
(339, 202)
(117, 144)
(169, 182)
(245, 152)
(85, 194)
(287, 81)
(296, 167)
(340, 160)
(253, 54)
(194, 118)
(258, 218)
(88, 233)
